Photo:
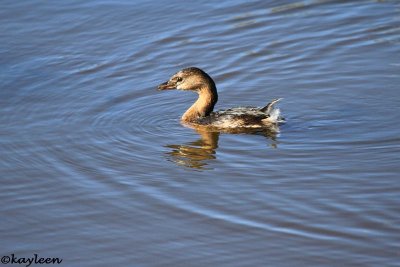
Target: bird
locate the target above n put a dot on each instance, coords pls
(201, 113)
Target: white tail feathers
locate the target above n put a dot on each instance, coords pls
(274, 113)
(268, 108)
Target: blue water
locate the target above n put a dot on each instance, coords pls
(97, 169)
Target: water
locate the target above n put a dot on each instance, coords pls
(96, 168)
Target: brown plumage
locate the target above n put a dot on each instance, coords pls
(201, 112)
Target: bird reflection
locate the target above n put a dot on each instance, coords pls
(195, 154)
(199, 153)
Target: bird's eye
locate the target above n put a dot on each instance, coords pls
(179, 79)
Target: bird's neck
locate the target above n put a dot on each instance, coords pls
(204, 105)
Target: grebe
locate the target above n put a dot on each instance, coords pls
(201, 112)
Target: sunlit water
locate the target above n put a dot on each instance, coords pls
(96, 168)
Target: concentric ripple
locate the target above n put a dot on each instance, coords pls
(95, 162)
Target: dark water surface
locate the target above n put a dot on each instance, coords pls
(96, 168)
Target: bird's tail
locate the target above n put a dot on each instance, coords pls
(274, 113)
(269, 108)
